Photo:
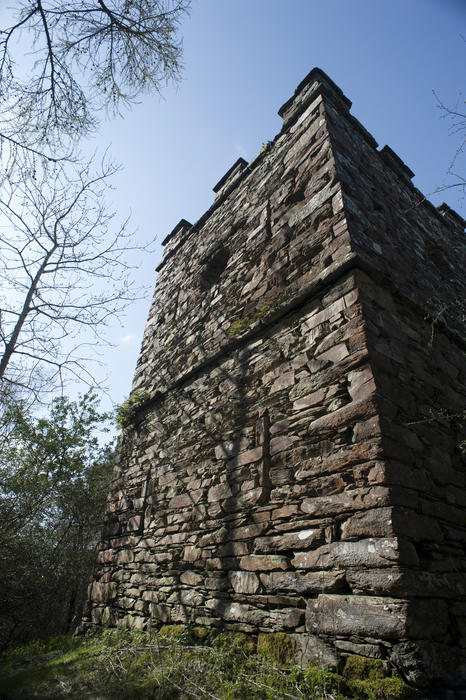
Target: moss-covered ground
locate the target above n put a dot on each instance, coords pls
(177, 663)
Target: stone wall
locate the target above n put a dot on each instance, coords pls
(297, 464)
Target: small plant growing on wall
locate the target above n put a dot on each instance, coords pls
(127, 411)
(241, 324)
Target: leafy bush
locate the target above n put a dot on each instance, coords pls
(127, 411)
(54, 477)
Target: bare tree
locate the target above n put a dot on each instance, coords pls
(62, 264)
(457, 128)
(88, 56)
(456, 117)
(64, 274)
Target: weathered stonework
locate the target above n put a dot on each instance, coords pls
(298, 466)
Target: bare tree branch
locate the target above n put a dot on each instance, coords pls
(63, 269)
(456, 117)
(89, 56)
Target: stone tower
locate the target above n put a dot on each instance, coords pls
(296, 462)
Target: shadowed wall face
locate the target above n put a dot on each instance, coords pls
(297, 465)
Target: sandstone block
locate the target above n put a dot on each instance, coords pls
(377, 617)
(408, 582)
(370, 616)
(371, 523)
(364, 553)
(134, 523)
(312, 399)
(264, 562)
(243, 500)
(328, 581)
(105, 556)
(102, 592)
(181, 613)
(217, 584)
(132, 622)
(236, 612)
(183, 500)
(281, 443)
(219, 493)
(283, 382)
(310, 207)
(312, 650)
(192, 553)
(244, 582)
(187, 597)
(335, 354)
(281, 426)
(367, 429)
(160, 557)
(125, 556)
(347, 501)
(246, 532)
(284, 512)
(234, 549)
(418, 526)
(345, 416)
(291, 540)
(247, 457)
(174, 538)
(373, 651)
(286, 618)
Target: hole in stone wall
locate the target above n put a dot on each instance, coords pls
(214, 265)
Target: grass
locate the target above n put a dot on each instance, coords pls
(179, 663)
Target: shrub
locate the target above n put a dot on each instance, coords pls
(127, 411)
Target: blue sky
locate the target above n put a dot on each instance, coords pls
(243, 59)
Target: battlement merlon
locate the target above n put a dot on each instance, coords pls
(315, 83)
(174, 239)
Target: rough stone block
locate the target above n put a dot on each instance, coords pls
(219, 493)
(368, 616)
(244, 581)
(376, 616)
(102, 592)
(371, 523)
(289, 541)
(304, 583)
(312, 650)
(364, 553)
(264, 562)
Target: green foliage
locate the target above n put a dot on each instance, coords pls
(392, 688)
(234, 642)
(277, 647)
(127, 411)
(128, 664)
(266, 148)
(173, 632)
(319, 682)
(54, 478)
(362, 667)
(369, 679)
(238, 326)
(201, 635)
(242, 324)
